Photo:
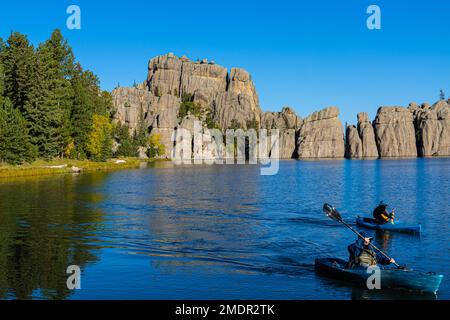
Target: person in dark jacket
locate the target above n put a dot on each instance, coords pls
(381, 214)
(363, 255)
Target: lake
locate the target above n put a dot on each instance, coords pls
(215, 232)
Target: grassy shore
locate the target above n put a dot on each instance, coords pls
(62, 166)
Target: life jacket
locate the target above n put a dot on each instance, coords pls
(367, 258)
(380, 215)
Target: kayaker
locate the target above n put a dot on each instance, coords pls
(362, 254)
(381, 214)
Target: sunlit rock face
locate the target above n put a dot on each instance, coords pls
(395, 132)
(433, 126)
(360, 140)
(321, 135)
(231, 101)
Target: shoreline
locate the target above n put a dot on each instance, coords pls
(53, 167)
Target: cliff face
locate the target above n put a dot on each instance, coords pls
(288, 124)
(228, 96)
(367, 134)
(433, 126)
(360, 143)
(321, 135)
(402, 132)
(231, 100)
(240, 102)
(353, 143)
(395, 133)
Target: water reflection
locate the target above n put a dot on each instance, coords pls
(42, 227)
(203, 232)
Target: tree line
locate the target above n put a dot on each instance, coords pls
(50, 107)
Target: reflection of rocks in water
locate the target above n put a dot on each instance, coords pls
(43, 224)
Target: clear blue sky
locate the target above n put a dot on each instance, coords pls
(306, 54)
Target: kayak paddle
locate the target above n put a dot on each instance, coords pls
(332, 213)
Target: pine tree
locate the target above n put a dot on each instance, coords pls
(15, 144)
(57, 99)
(127, 147)
(2, 76)
(87, 101)
(18, 63)
(141, 134)
(83, 108)
(50, 102)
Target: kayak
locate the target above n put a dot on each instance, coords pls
(397, 226)
(390, 278)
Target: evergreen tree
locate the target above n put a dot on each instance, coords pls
(87, 101)
(127, 147)
(54, 96)
(2, 46)
(141, 134)
(83, 108)
(442, 95)
(49, 106)
(2, 78)
(2, 73)
(15, 144)
(18, 61)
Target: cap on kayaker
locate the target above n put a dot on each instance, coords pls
(366, 236)
(382, 204)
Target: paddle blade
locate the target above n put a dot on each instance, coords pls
(331, 212)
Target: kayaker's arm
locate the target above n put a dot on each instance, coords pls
(383, 260)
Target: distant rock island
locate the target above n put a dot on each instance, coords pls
(229, 100)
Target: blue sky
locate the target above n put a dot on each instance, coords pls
(305, 54)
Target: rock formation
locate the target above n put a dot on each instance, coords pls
(321, 135)
(395, 133)
(129, 102)
(353, 143)
(229, 100)
(228, 97)
(433, 126)
(288, 124)
(360, 142)
(367, 135)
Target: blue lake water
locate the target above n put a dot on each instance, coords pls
(215, 232)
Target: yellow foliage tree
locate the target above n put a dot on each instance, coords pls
(156, 148)
(70, 148)
(99, 142)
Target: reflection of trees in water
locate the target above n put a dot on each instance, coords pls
(44, 224)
